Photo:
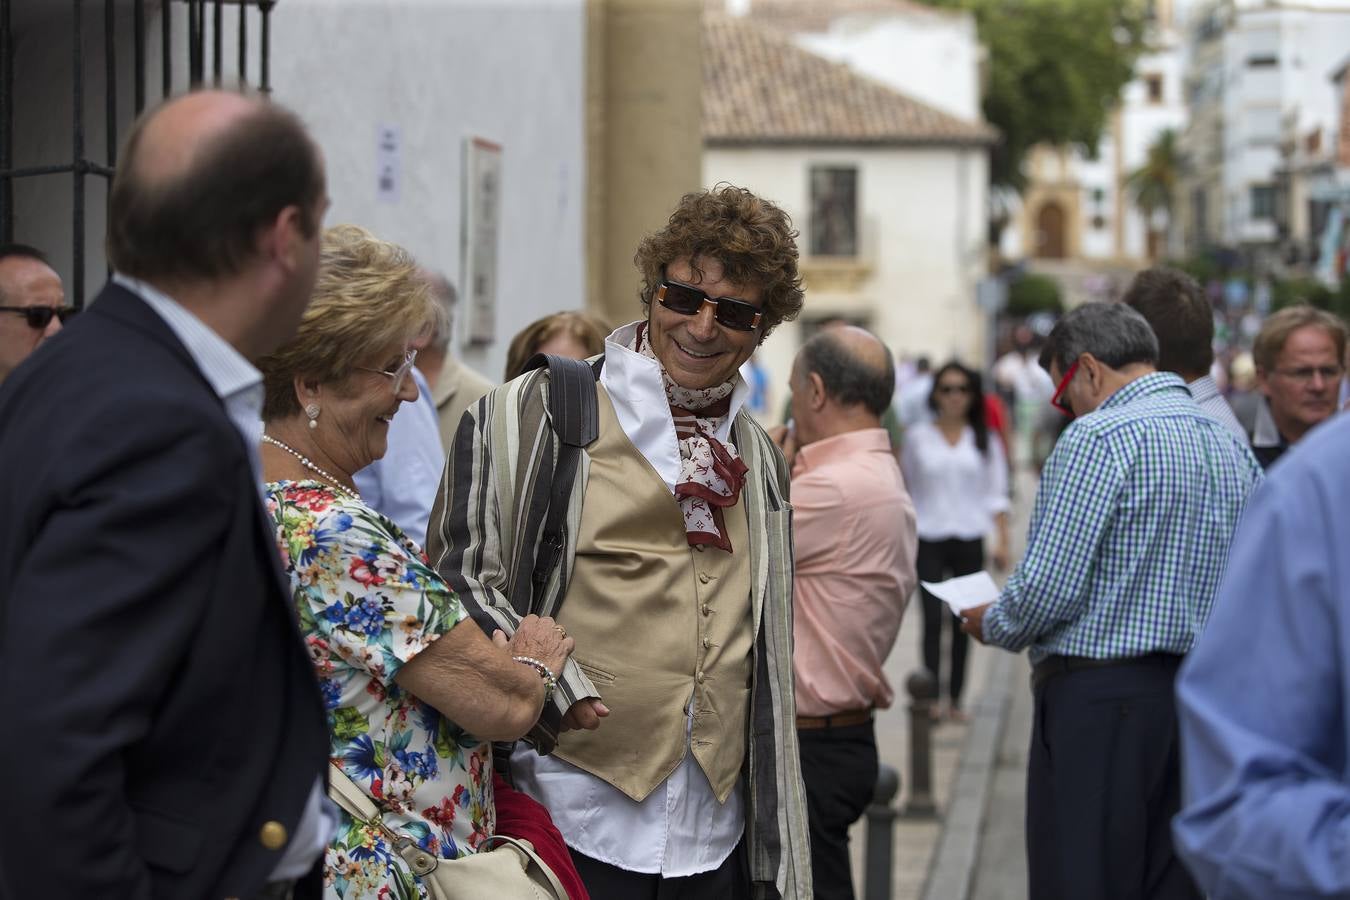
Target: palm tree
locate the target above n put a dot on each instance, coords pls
(1154, 184)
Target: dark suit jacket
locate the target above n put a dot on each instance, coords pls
(156, 701)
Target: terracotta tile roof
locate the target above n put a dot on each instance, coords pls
(760, 88)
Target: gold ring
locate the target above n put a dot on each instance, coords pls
(561, 630)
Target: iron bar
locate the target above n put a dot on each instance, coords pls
(87, 167)
(265, 7)
(110, 79)
(166, 47)
(877, 861)
(923, 691)
(243, 44)
(218, 39)
(77, 142)
(194, 44)
(138, 51)
(6, 125)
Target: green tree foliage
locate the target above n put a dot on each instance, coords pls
(1154, 184)
(1056, 68)
(1033, 293)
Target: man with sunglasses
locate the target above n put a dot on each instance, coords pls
(675, 576)
(32, 304)
(1128, 540)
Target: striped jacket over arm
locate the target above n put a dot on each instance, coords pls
(483, 539)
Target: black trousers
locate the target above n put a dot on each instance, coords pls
(938, 561)
(1103, 784)
(839, 769)
(606, 882)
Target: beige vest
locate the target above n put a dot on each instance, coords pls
(658, 625)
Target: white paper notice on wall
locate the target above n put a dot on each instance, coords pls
(960, 594)
(388, 163)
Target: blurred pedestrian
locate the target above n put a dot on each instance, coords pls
(1128, 540)
(414, 689)
(853, 542)
(1183, 321)
(147, 646)
(1300, 361)
(957, 473)
(454, 386)
(575, 335)
(1264, 697)
(911, 400)
(675, 575)
(32, 304)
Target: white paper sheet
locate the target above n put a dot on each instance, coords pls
(964, 592)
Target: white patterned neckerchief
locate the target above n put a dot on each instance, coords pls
(711, 471)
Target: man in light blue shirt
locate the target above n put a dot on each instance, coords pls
(1264, 698)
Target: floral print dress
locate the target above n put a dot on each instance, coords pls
(368, 602)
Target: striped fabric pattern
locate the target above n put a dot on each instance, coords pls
(483, 540)
(1130, 532)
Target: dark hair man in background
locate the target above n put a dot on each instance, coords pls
(32, 304)
(1183, 321)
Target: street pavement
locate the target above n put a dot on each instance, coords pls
(981, 796)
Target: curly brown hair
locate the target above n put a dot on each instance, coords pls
(751, 237)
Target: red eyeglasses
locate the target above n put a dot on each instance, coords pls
(1057, 400)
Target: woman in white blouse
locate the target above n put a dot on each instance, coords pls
(957, 475)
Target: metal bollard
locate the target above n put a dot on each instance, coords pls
(923, 688)
(880, 835)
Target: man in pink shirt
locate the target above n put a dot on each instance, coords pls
(855, 544)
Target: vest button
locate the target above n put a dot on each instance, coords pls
(704, 577)
(707, 644)
(699, 677)
(272, 835)
(707, 610)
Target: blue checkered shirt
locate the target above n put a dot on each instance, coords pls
(1130, 532)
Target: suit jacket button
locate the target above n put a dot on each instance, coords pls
(273, 835)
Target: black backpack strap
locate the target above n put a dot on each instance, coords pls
(575, 414)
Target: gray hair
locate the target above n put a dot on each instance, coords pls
(848, 378)
(1113, 332)
(443, 312)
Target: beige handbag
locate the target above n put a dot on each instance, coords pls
(504, 868)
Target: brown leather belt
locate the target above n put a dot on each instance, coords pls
(836, 720)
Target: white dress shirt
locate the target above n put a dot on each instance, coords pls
(402, 484)
(1205, 393)
(240, 387)
(679, 829)
(956, 490)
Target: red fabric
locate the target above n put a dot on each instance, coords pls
(996, 417)
(521, 816)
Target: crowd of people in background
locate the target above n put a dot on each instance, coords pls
(299, 605)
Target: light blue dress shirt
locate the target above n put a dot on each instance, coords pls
(1264, 698)
(402, 485)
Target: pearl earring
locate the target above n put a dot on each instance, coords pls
(313, 412)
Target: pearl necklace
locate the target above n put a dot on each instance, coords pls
(304, 461)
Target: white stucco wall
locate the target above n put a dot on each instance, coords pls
(922, 215)
(931, 55)
(511, 71)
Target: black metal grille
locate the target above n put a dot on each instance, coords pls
(79, 164)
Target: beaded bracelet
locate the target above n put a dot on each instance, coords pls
(550, 680)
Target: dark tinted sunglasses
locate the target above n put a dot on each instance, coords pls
(688, 301)
(40, 317)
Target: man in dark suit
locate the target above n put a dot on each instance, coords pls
(163, 733)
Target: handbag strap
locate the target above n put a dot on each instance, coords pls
(351, 798)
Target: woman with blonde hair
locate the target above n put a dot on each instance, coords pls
(414, 689)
